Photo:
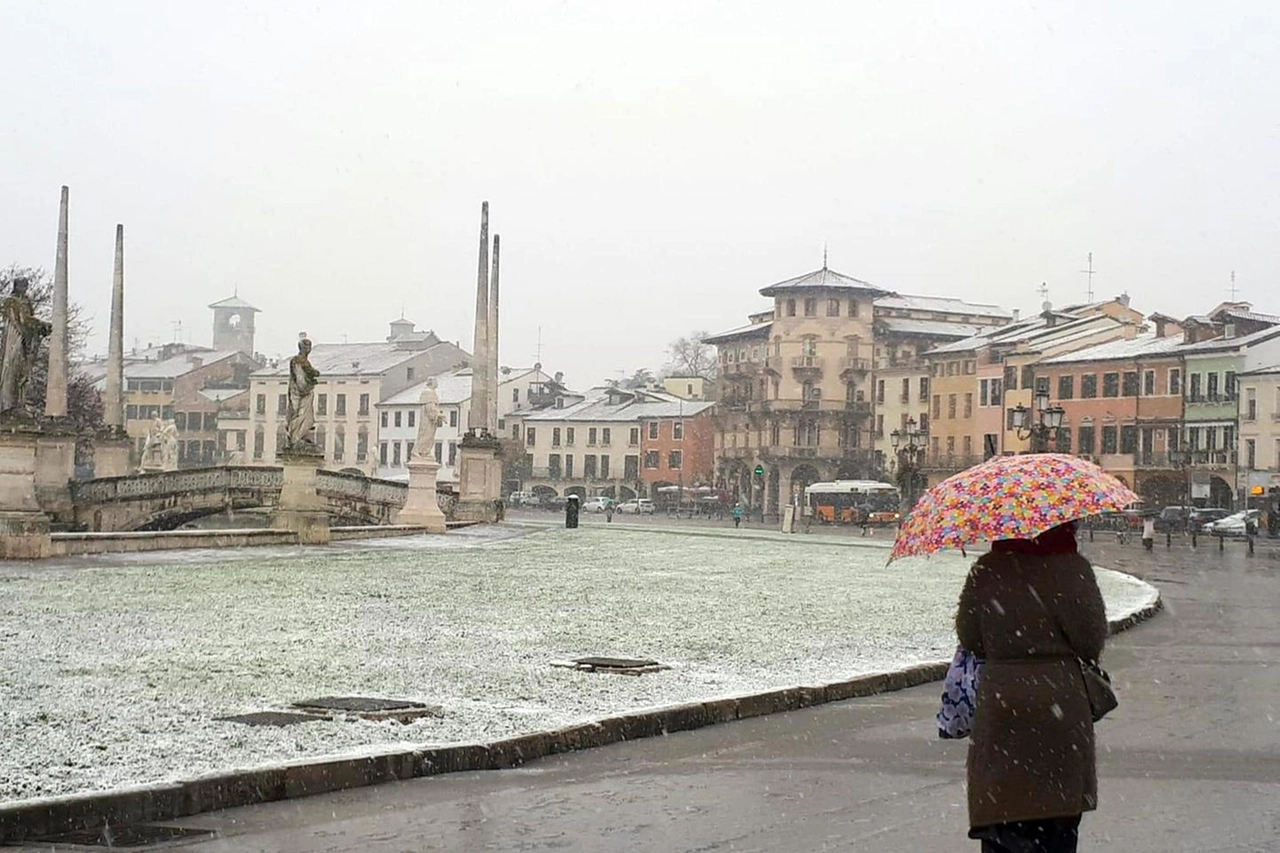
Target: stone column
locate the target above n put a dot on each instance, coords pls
(301, 509)
(478, 413)
(422, 506)
(112, 445)
(492, 341)
(55, 399)
(24, 528)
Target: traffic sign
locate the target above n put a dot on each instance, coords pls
(759, 470)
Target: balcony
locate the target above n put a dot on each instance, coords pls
(807, 363)
(810, 452)
(949, 461)
(773, 364)
(850, 364)
(741, 368)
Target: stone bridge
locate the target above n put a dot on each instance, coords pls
(168, 499)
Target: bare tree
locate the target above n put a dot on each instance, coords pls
(689, 356)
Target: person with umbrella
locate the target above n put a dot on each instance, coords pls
(1032, 612)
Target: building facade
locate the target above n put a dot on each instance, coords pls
(354, 378)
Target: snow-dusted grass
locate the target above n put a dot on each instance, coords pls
(111, 670)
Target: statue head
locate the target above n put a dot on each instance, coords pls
(304, 344)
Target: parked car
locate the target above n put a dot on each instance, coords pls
(639, 506)
(1236, 524)
(1202, 518)
(596, 504)
(528, 499)
(1173, 518)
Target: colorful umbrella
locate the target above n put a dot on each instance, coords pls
(1009, 497)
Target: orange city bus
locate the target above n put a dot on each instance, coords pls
(853, 502)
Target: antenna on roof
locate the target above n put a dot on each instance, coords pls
(1089, 273)
(1233, 285)
(824, 255)
(177, 330)
(538, 355)
(1043, 290)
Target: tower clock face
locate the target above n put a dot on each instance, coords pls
(234, 321)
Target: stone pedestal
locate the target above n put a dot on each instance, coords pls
(480, 480)
(301, 509)
(422, 507)
(24, 528)
(111, 452)
(55, 469)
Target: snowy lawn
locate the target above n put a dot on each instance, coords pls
(112, 669)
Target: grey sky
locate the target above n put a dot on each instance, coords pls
(649, 166)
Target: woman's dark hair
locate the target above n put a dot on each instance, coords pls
(1055, 540)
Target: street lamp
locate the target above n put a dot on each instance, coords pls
(909, 446)
(1040, 423)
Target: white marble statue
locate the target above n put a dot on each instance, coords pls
(428, 421)
(160, 449)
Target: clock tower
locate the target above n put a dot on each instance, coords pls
(233, 325)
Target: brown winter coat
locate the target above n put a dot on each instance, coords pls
(1032, 752)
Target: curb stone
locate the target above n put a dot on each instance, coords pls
(164, 802)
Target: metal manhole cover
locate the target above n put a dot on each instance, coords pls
(270, 718)
(368, 708)
(127, 835)
(616, 666)
(615, 663)
(357, 704)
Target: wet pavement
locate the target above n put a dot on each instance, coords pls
(1190, 761)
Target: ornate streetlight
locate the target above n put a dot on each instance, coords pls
(909, 446)
(1181, 459)
(1040, 424)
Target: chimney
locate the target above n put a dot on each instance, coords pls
(196, 361)
(559, 378)
(1160, 324)
(1017, 315)
(1229, 330)
(1123, 299)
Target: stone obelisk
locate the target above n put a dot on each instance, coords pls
(479, 462)
(478, 413)
(55, 395)
(111, 448)
(492, 341)
(56, 446)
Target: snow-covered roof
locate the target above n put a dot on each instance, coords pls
(823, 278)
(630, 406)
(929, 328)
(1263, 371)
(217, 395)
(1254, 316)
(1222, 344)
(749, 330)
(1143, 346)
(171, 368)
(941, 304)
(453, 389)
(367, 359)
(234, 302)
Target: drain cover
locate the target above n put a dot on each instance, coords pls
(127, 835)
(369, 708)
(617, 666)
(614, 663)
(270, 718)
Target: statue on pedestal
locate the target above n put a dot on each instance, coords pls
(428, 421)
(23, 332)
(160, 449)
(302, 407)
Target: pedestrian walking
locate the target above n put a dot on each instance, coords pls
(1148, 532)
(608, 512)
(737, 515)
(1032, 611)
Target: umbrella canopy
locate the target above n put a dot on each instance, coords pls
(1009, 497)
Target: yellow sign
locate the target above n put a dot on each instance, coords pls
(1257, 490)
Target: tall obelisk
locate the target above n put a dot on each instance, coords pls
(55, 398)
(111, 447)
(492, 343)
(113, 402)
(478, 413)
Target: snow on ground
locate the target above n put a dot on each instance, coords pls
(113, 668)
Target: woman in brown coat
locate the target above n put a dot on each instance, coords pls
(1031, 608)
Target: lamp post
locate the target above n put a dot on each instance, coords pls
(1181, 460)
(908, 445)
(1040, 424)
